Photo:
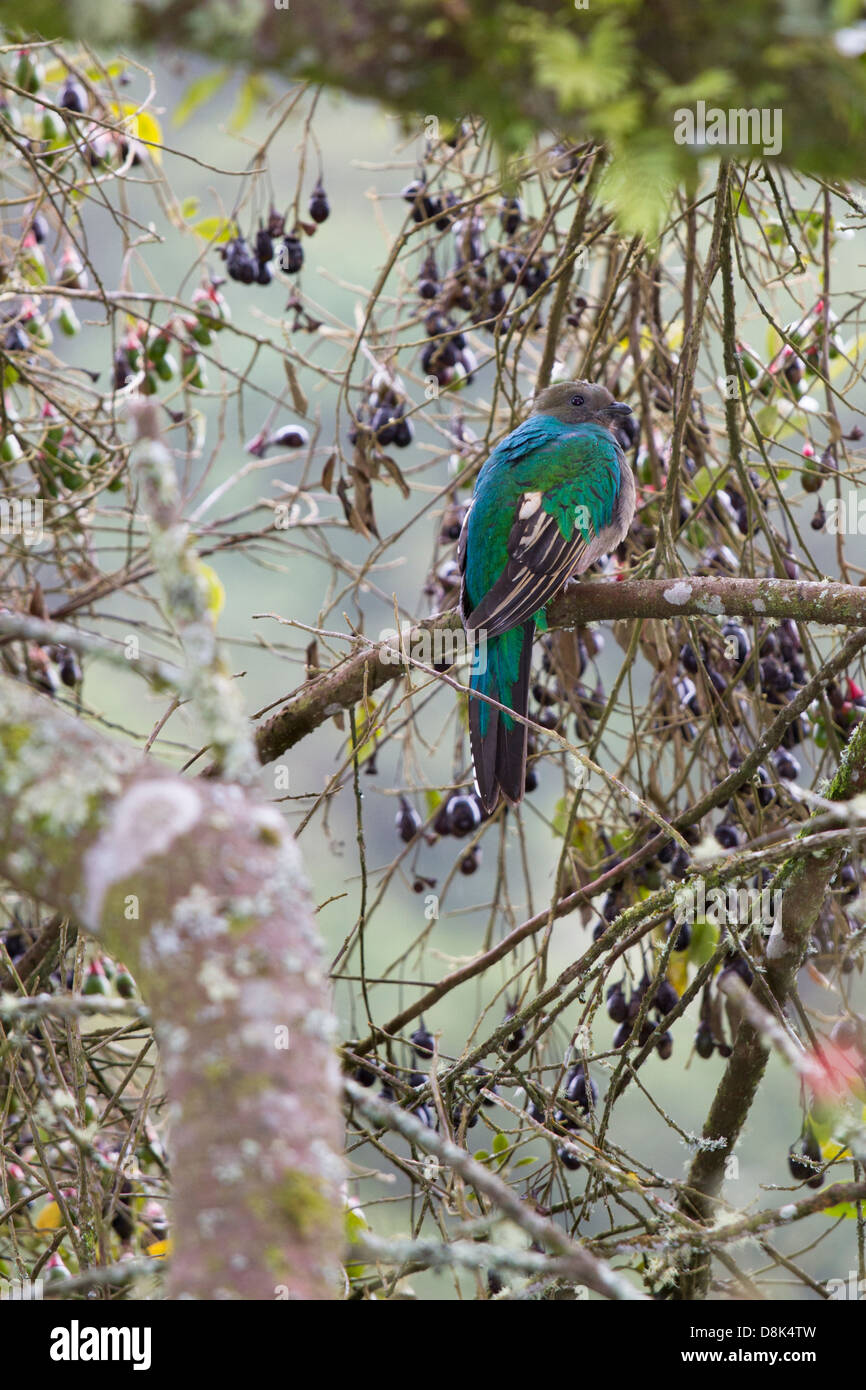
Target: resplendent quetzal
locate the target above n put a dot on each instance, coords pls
(553, 497)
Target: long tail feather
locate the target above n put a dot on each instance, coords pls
(499, 743)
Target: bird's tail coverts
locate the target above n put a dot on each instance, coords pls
(498, 741)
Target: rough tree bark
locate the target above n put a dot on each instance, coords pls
(198, 887)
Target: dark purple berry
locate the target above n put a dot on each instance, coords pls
(665, 1046)
(465, 814)
(804, 1157)
(688, 660)
(407, 821)
(291, 254)
(320, 208)
(239, 262)
(666, 998)
(704, 1041)
(422, 1042)
(726, 835)
(70, 671)
(39, 227)
(264, 245)
(684, 934)
(73, 97)
(568, 1158)
(15, 340)
(581, 1090)
(470, 862)
(404, 433)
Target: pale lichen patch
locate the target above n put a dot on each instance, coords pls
(678, 593)
(147, 819)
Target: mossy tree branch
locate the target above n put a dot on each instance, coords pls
(373, 665)
(198, 887)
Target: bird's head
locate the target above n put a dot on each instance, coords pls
(580, 403)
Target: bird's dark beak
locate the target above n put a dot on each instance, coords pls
(617, 408)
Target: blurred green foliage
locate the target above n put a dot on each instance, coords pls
(615, 70)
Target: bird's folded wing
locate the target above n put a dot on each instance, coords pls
(540, 560)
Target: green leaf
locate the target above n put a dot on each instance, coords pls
(213, 228)
(356, 1224)
(500, 1143)
(639, 183)
(767, 420)
(703, 482)
(583, 836)
(705, 939)
(197, 93)
(712, 85)
(254, 89)
(846, 1209)
(822, 1120)
(584, 73)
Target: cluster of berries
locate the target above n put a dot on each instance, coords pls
(496, 262)
(447, 357)
(149, 355)
(60, 457)
(796, 367)
(458, 815)
(566, 658)
(104, 976)
(397, 1083)
(581, 1093)
(251, 260)
(732, 670)
(489, 268)
(381, 416)
(73, 123)
(659, 998)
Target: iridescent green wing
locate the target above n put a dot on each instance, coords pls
(569, 500)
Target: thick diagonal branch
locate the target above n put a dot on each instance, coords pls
(198, 887)
(374, 664)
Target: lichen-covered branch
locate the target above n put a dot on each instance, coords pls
(374, 665)
(198, 887)
(191, 601)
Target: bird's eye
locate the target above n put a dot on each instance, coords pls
(577, 400)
